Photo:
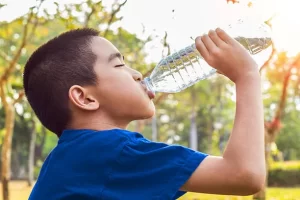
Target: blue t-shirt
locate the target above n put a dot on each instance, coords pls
(112, 165)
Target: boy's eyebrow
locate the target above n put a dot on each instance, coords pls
(115, 55)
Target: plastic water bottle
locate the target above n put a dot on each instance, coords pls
(186, 67)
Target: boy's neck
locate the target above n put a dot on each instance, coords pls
(98, 123)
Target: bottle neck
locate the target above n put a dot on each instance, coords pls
(148, 84)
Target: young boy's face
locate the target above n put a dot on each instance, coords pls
(119, 90)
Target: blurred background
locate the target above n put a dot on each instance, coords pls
(200, 117)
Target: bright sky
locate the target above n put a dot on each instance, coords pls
(191, 18)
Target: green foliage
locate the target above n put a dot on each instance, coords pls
(284, 174)
(284, 178)
(50, 143)
(287, 165)
(289, 137)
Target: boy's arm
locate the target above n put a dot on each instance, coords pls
(241, 169)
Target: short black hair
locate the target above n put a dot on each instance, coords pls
(52, 69)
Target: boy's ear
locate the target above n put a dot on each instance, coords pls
(82, 98)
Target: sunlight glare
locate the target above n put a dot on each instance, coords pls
(286, 26)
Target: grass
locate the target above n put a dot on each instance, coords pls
(272, 194)
(286, 165)
(20, 191)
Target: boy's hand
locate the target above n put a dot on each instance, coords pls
(226, 55)
(241, 169)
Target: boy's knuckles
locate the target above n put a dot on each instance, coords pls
(215, 52)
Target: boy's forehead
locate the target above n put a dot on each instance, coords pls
(103, 48)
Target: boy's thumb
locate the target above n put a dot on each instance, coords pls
(219, 72)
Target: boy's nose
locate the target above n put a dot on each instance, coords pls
(137, 76)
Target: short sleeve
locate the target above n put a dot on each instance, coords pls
(155, 170)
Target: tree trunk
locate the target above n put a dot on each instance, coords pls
(9, 106)
(210, 138)
(193, 128)
(210, 130)
(15, 162)
(6, 148)
(31, 155)
(154, 128)
(139, 127)
(193, 132)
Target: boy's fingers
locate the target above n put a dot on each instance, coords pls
(209, 44)
(224, 36)
(215, 38)
(201, 48)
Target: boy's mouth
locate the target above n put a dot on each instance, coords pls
(150, 94)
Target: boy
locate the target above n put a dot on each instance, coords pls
(81, 89)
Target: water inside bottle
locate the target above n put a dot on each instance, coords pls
(180, 70)
(186, 67)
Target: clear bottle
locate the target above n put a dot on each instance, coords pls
(186, 67)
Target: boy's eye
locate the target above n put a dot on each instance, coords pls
(121, 65)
